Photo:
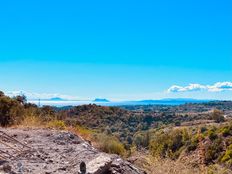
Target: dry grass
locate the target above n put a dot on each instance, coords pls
(31, 121)
(162, 166)
(105, 143)
(167, 166)
(157, 166)
(36, 122)
(85, 133)
(57, 124)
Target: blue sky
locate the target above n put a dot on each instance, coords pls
(117, 49)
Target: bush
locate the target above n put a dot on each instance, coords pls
(227, 158)
(203, 129)
(217, 115)
(212, 135)
(213, 151)
(47, 113)
(192, 147)
(192, 144)
(110, 144)
(113, 146)
(141, 139)
(226, 131)
(169, 144)
(11, 111)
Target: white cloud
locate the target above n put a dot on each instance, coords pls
(175, 88)
(220, 86)
(32, 95)
(217, 87)
(190, 87)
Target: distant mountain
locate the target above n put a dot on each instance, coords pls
(184, 99)
(166, 101)
(56, 99)
(188, 100)
(100, 100)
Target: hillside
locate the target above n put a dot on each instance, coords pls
(125, 121)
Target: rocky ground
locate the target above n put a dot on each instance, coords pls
(46, 151)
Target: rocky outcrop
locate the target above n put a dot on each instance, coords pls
(56, 152)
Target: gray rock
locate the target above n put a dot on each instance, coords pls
(56, 150)
(99, 165)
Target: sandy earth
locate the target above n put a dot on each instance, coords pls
(50, 151)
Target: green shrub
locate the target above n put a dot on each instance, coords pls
(203, 129)
(11, 111)
(191, 147)
(226, 131)
(141, 139)
(217, 115)
(169, 144)
(192, 144)
(227, 158)
(213, 150)
(110, 144)
(212, 135)
(158, 146)
(113, 146)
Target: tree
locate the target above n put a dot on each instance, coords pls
(1, 94)
(22, 99)
(11, 111)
